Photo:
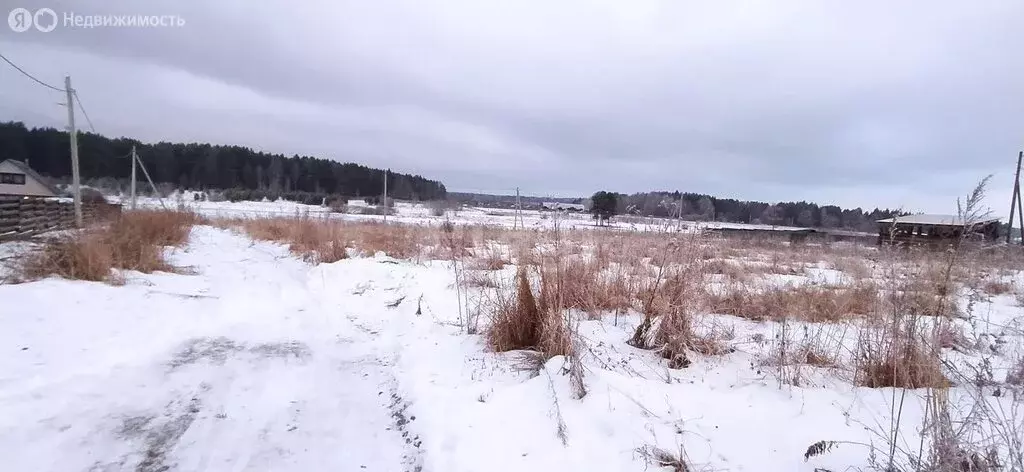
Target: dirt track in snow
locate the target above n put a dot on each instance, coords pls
(241, 367)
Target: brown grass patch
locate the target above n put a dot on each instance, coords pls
(805, 302)
(996, 287)
(83, 256)
(516, 322)
(314, 240)
(323, 240)
(478, 279)
(492, 259)
(134, 241)
(899, 354)
(855, 268)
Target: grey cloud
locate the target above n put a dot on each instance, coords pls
(853, 103)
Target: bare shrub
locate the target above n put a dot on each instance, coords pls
(440, 207)
(338, 205)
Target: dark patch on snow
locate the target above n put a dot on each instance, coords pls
(214, 350)
(163, 438)
(157, 435)
(217, 350)
(395, 303)
(294, 349)
(134, 426)
(411, 459)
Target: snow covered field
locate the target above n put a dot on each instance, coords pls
(406, 212)
(256, 360)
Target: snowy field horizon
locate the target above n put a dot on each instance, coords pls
(290, 337)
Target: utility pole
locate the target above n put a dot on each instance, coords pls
(73, 133)
(1015, 201)
(152, 185)
(515, 219)
(134, 158)
(386, 195)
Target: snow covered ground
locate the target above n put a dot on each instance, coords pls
(255, 360)
(406, 212)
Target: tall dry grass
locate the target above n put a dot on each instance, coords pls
(133, 241)
(324, 240)
(813, 303)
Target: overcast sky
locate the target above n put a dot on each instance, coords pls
(856, 103)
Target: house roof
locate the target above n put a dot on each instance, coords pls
(563, 206)
(33, 174)
(934, 220)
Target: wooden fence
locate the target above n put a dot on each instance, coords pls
(25, 216)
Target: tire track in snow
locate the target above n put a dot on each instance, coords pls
(367, 294)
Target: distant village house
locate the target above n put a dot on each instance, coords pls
(935, 229)
(18, 179)
(558, 206)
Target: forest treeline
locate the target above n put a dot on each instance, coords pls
(206, 166)
(695, 206)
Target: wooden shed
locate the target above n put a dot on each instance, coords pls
(935, 229)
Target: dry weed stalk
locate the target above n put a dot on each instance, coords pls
(907, 353)
(663, 459)
(670, 302)
(543, 322)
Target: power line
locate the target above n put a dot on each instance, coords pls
(40, 82)
(87, 119)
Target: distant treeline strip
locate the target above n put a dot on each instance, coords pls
(700, 207)
(205, 166)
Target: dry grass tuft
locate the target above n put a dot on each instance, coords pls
(137, 239)
(1016, 374)
(493, 259)
(314, 240)
(663, 459)
(478, 279)
(997, 287)
(516, 322)
(322, 240)
(805, 302)
(134, 241)
(82, 256)
(854, 267)
(898, 356)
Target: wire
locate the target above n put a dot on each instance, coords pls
(79, 100)
(40, 82)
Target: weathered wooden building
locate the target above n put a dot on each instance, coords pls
(935, 229)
